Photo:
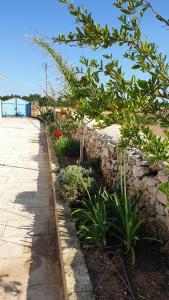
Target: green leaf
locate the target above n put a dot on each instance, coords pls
(63, 1)
(107, 56)
(136, 67)
(126, 11)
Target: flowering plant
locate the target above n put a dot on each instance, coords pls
(57, 133)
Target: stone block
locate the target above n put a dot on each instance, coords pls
(140, 171)
(152, 190)
(138, 162)
(144, 163)
(108, 165)
(105, 152)
(110, 147)
(162, 198)
(137, 183)
(160, 209)
(150, 181)
(162, 176)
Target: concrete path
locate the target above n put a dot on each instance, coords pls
(29, 265)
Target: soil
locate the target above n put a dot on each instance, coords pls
(65, 161)
(148, 278)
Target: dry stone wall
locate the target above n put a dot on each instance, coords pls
(142, 178)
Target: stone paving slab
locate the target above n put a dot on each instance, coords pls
(29, 259)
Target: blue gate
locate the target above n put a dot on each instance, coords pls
(16, 107)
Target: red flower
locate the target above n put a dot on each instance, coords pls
(58, 133)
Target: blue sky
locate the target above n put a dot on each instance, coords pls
(21, 61)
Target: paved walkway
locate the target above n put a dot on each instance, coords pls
(29, 266)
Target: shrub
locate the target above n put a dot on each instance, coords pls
(74, 182)
(65, 124)
(92, 219)
(65, 146)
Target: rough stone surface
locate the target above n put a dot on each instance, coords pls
(162, 198)
(29, 256)
(141, 177)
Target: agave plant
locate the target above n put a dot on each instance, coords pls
(126, 224)
(92, 219)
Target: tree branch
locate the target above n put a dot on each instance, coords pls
(158, 16)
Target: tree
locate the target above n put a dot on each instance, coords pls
(71, 97)
(135, 101)
(40, 101)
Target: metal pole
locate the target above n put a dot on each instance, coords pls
(45, 65)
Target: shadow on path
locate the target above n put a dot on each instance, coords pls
(37, 236)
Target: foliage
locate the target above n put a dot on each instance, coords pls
(126, 224)
(7, 97)
(48, 116)
(75, 98)
(52, 127)
(66, 70)
(65, 124)
(155, 148)
(92, 219)
(131, 101)
(71, 96)
(164, 188)
(73, 182)
(65, 146)
(42, 102)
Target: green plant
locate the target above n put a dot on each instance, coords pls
(65, 146)
(127, 224)
(52, 127)
(92, 219)
(73, 183)
(48, 116)
(133, 101)
(65, 124)
(164, 188)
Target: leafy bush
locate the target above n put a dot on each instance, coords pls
(92, 219)
(48, 116)
(66, 125)
(74, 182)
(65, 146)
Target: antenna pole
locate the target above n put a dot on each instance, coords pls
(45, 65)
